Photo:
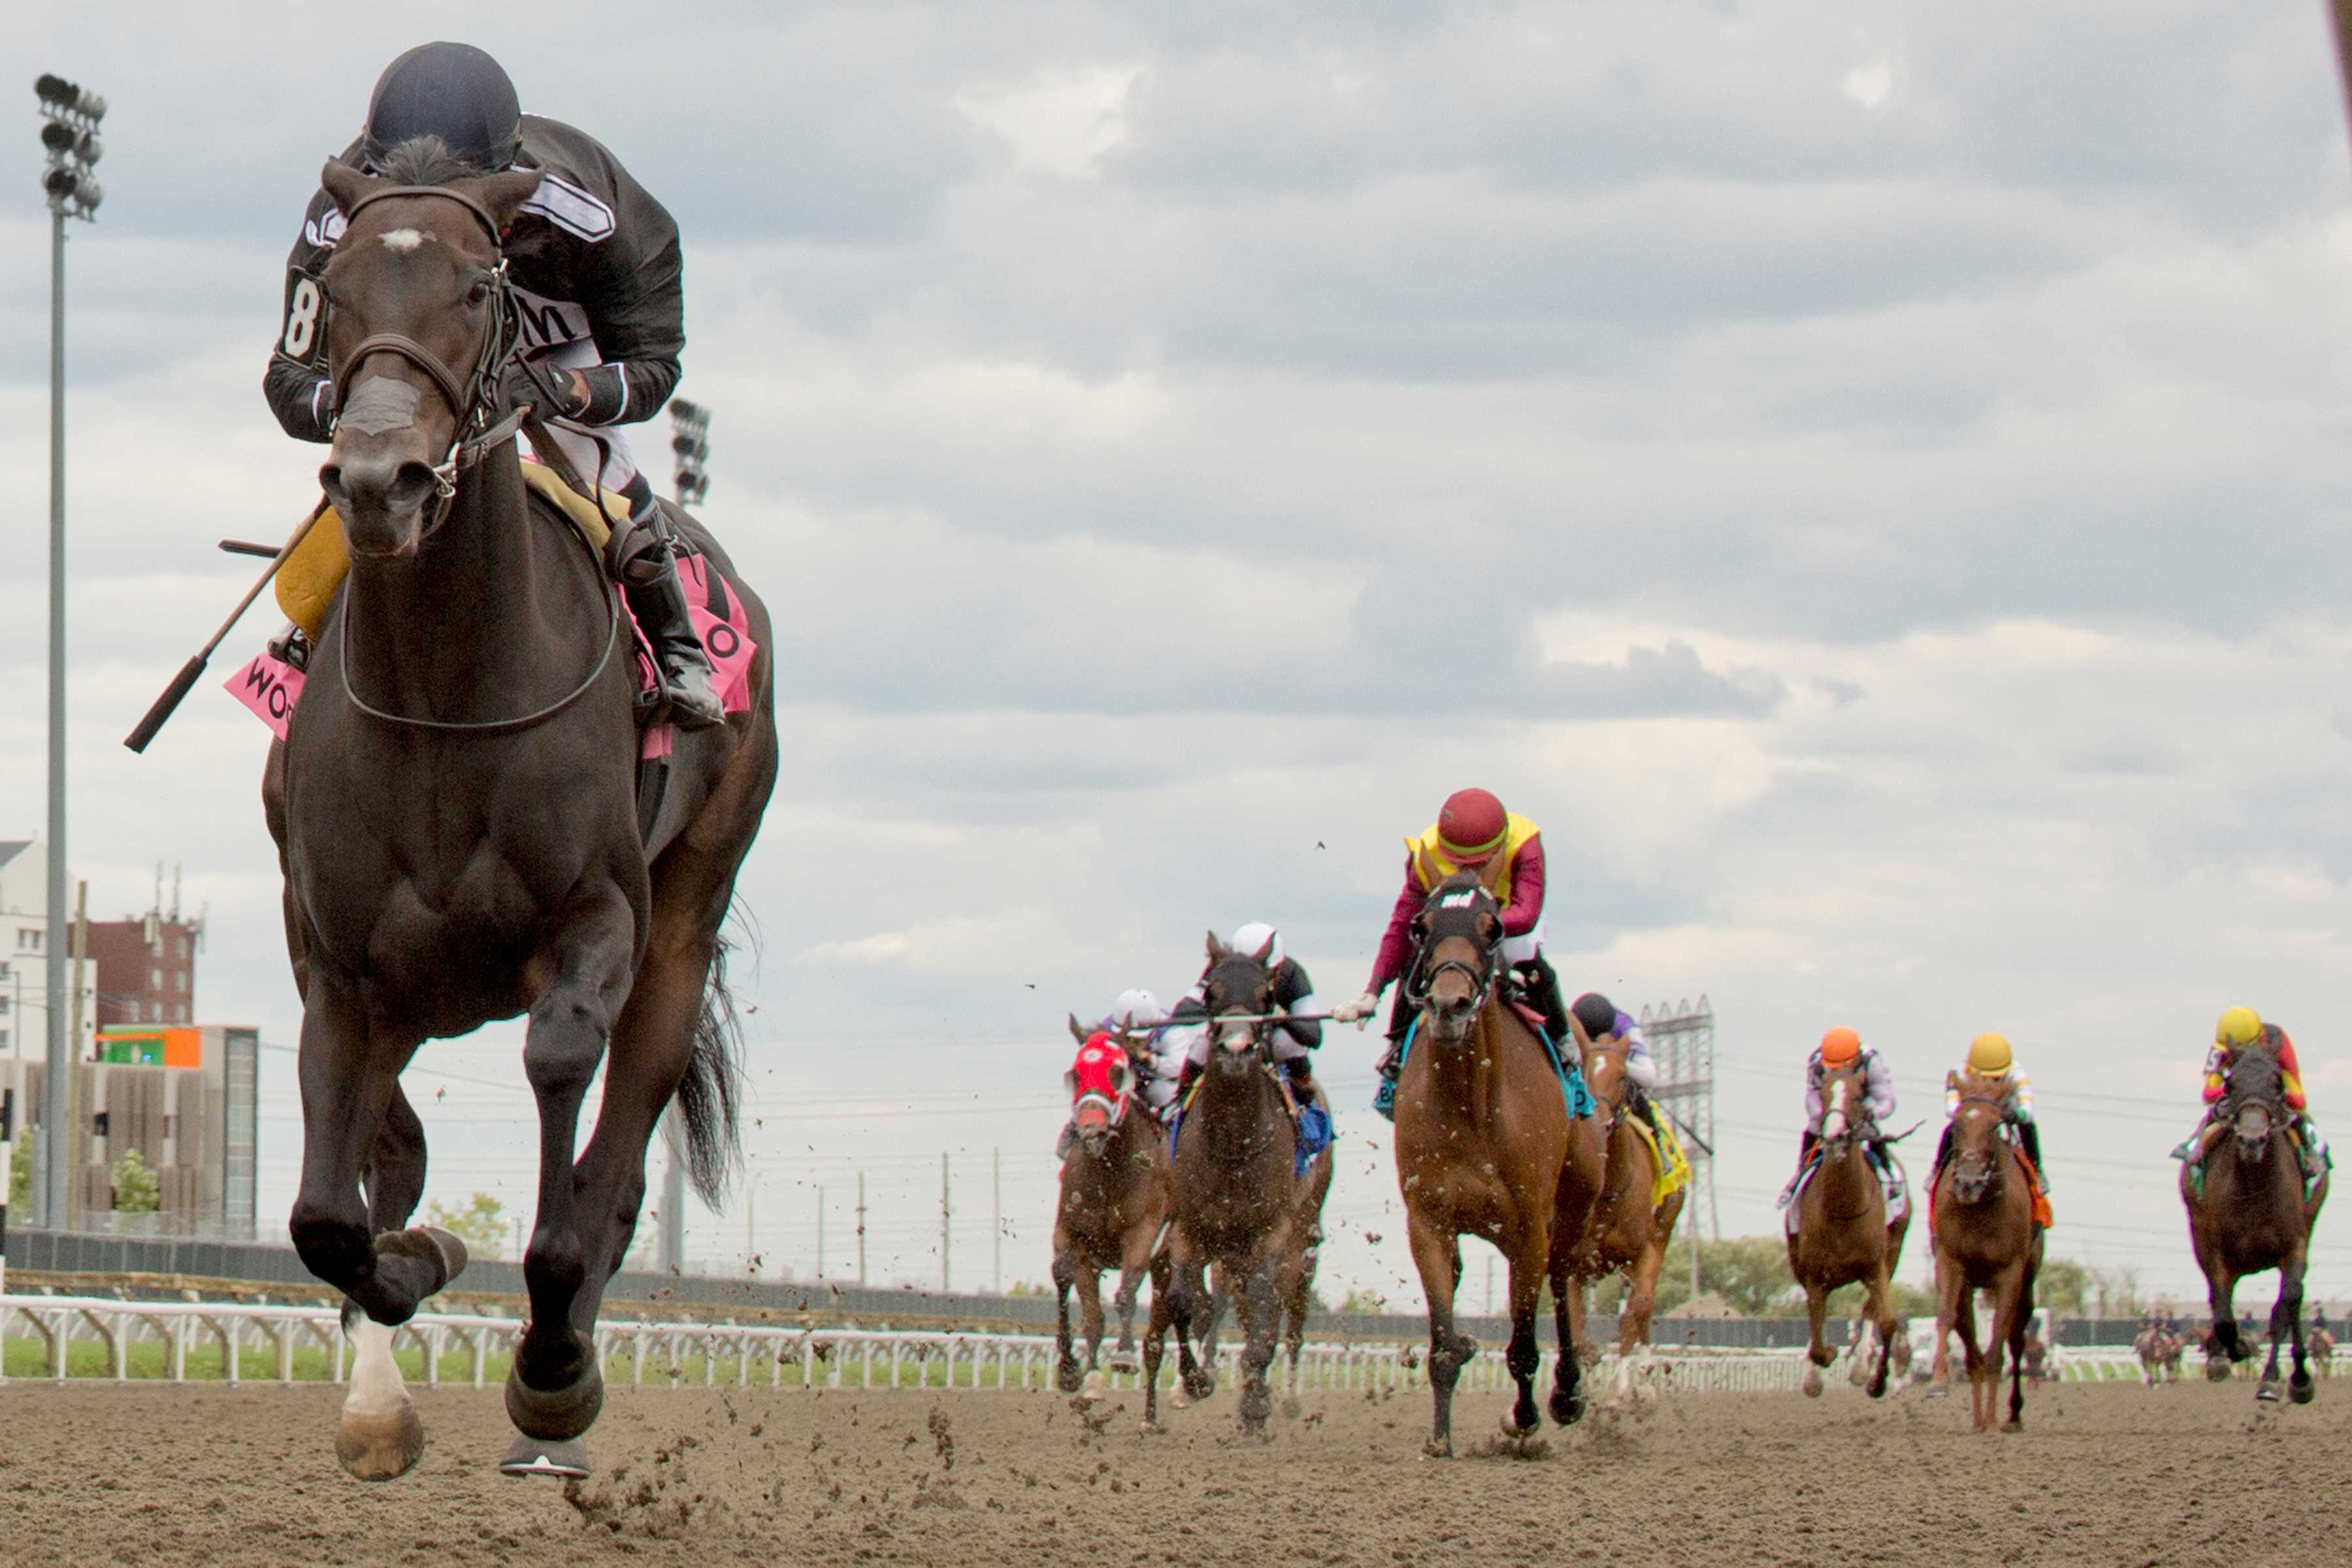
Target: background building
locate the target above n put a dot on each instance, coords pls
(23, 952)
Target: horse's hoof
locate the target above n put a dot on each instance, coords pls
(1812, 1383)
(553, 1416)
(1153, 1427)
(1093, 1387)
(2012, 1424)
(2268, 1393)
(2301, 1389)
(564, 1461)
(1199, 1385)
(383, 1446)
(1567, 1409)
(1938, 1390)
(1437, 1448)
(1124, 1363)
(428, 1243)
(1068, 1375)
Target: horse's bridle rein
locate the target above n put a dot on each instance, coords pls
(1421, 978)
(465, 398)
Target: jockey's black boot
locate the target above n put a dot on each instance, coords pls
(643, 562)
(1543, 989)
(2029, 1136)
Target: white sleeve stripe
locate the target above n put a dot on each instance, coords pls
(623, 414)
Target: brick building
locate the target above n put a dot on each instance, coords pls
(143, 969)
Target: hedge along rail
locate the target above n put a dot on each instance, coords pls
(722, 1354)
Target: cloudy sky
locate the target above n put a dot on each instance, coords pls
(1864, 477)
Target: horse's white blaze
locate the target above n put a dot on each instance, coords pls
(1237, 1037)
(376, 1385)
(404, 240)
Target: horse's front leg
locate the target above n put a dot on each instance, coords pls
(1529, 1252)
(1260, 1312)
(1880, 1310)
(2289, 1306)
(1818, 1354)
(555, 1387)
(1567, 1402)
(1067, 1374)
(1090, 1306)
(2222, 1348)
(1437, 1256)
(1130, 1282)
(1155, 1341)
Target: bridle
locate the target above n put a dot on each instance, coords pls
(1421, 978)
(468, 400)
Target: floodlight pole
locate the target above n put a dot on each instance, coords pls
(57, 1148)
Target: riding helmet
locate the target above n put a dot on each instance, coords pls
(1138, 1008)
(1257, 934)
(1989, 1055)
(1840, 1045)
(2239, 1026)
(455, 91)
(1596, 1013)
(1471, 826)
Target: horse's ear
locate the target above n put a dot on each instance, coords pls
(1077, 1030)
(1265, 948)
(502, 195)
(1491, 875)
(1217, 948)
(1952, 1079)
(346, 184)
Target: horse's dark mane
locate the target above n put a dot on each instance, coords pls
(426, 160)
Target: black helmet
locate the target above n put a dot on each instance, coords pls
(1597, 1014)
(454, 91)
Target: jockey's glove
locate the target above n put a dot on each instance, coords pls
(555, 392)
(1358, 1011)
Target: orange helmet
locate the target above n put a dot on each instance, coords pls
(1471, 826)
(1840, 1045)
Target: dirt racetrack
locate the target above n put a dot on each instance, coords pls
(149, 1474)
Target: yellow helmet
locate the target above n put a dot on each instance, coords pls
(1989, 1055)
(2239, 1026)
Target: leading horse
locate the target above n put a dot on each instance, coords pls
(1839, 1233)
(1981, 1222)
(454, 806)
(1485, 1146)
(2252, 1213)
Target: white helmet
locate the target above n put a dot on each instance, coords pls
(1255, 935)
(1138, 1008)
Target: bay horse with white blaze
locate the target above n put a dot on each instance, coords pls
(1486, 1147)
(1840, 1233)
(1982, 1226)
(454, 806)
(1113, 1209)
(1629, 1228)
(2253, 1213)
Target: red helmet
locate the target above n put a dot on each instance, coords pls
(1471, 826)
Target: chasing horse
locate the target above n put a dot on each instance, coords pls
(1247, 1193)
(1114, 1208)
(1986, 1216)
(1644, 1186)
(1495, 1138)
(2253, 1194)
(1843, 1229)
(459, 810)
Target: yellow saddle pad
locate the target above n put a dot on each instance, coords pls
(307, 583)
(1666, 1158)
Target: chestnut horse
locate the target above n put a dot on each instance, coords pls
(1114, 1205)
(1980, 1220)
(1486, 1147)
(455, 814)
(1839, 1234)
(2254, 1215)
(1240, 1202)
(1628, 1228)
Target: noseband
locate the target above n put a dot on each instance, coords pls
(1422, 979)
(465, 398)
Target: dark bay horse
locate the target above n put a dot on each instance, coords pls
(2254, 1215)
(454, 813)
(1114, 1209)
(1240, 1203)
(1486, 1147)
(1840, 1235)
(1628, 1228)
(1981, 1223)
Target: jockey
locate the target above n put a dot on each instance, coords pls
(1843, 1048)
(1601, 1019)
(1471, 829)
(1990, 1057)
(2242, 1026)
(1137, 1016)
(595, 269)
(1293, 1038)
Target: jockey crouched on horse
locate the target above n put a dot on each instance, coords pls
(1470, 831)
(1601, 1019)
(1992, 1056)
(1842, 1049)
(1155, 1051)
(1293, 1038)
(2241, 1028)
(592, 263)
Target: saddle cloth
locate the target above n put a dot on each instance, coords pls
(2042, 1213)
(1896, 1191)
(1666, 1158)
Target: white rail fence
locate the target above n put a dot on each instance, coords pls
(733, 1356)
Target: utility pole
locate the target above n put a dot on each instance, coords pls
(996, 1211)
(76, 1091)
(861, 1228)
(69, 143)
(943, 1221)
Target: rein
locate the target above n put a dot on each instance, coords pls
(468, 402)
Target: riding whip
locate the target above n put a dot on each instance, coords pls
(185, 683)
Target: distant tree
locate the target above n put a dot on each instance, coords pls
(480, 1225)
(136, 1190)
(20, 1174)
(2065, 1287)
(1367, 1301)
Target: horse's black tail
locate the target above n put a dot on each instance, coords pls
(708, 1094)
